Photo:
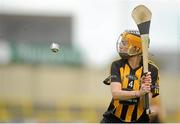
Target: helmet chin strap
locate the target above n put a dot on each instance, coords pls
(126, 55)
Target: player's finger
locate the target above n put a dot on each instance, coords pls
(147, 76)
(148, 73)
(147, 84)
(148, 87)
(147, 80)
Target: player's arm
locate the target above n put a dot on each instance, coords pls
(116, 86)
(118, 93)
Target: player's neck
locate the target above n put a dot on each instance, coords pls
(134, 61)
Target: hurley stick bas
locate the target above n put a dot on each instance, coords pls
(142, 17)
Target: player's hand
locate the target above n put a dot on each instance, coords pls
(145, 83)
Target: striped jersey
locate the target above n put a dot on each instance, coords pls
(132, 109)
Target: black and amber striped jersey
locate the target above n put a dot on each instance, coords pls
(131, 110)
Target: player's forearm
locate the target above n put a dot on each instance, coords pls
(125, 95)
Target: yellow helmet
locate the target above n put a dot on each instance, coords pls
(129, 44)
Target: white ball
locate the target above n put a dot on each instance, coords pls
(55, 47)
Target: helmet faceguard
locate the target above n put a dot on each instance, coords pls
(129, 44)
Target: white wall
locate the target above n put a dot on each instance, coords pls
(98, 26)
(97, 23)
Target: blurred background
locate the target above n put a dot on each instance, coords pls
(37, 85)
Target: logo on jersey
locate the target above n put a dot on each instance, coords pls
(131, 77)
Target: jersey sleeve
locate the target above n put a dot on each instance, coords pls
(115, 72)
(155, 82)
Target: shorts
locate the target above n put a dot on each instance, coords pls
(111, 118)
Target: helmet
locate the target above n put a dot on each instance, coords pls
(129, 44)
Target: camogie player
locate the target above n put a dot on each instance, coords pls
(128, 83)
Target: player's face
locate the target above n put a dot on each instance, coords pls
(123, 46)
